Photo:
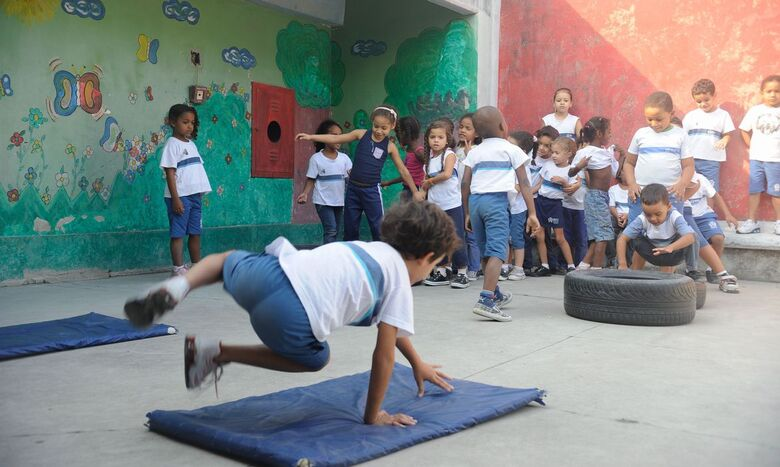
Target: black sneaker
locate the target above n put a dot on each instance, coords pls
(539, 271)
(570, 269)
(436, 278)
(712, 278)
(460, 281)
(696, 276)
(504, 275)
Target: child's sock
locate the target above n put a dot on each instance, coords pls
(570, 266)
(442, 271)
(583, 265)
(595, 268)
(546, 265)
(462, 271)
(723, 273)
(178, 287)
(487, 294)
(709, 269)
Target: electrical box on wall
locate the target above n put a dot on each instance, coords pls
(273, 131)
(199, 94)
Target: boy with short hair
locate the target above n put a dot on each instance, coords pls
(660, 234)
(709, 129)
(295, 299)
(490, 171)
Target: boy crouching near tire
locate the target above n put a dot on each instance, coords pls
(660, 234)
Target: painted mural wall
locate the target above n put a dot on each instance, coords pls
(85, 88)
(613, 53)
(424, 63)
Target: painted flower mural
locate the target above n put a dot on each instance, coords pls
(35, 118)
(17, 139)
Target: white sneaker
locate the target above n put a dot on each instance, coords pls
(179, 270)
(472, 275)
(199, 362)
(750, 226)
(517, 274)
(777, 227)
(728, 284)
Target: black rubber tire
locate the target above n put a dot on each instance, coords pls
(640, 298)
(701, 294)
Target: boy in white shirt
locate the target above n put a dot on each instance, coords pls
(489, 174)
(660, 234)
(709, 129)
(295, 299)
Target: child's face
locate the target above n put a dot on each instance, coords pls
(466, 130)
(562, 102)
(705, 101)
(544, 148)
(184, 125)
(437, 139)
(334, 130)
(770, 94)
(658, 119)
(381, 127)
(560, 155)
(656, 213)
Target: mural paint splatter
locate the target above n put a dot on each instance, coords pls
(180, 11)
(92, 9)
(311, 64)
(368, 47)
(5, 86)
(239, 58)
(147, 49)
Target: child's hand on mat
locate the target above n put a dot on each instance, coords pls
(303, 137)
(427, 372)
(399, 419)
(177, 205)
(302, 198)
(663, 251)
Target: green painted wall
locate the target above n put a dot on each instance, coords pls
(66, 196)
(429, 50)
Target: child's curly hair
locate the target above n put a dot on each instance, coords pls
(416, 228)
(177, 110)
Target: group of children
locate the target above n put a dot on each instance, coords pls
(491, 190)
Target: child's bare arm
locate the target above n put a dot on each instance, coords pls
(723, 142)
(465, 192)
(304, 196)
(422, 371)
(532, 223)
(746, 136)
(353, 135)
(613, 210)
(720, 203)
(682, 242)
(170, 179)
(628, 170)
(444, 175)
(381, 371)
(678, 189)
(622, 241)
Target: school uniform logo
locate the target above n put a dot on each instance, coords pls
(768, 123)
(378, 152)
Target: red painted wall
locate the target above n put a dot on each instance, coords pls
(613, 53)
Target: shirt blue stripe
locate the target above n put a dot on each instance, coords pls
(659, 150)
(704, 131)
(376, 279)
(330, 178)
(454, 174)
(618, 203)
(493, 165)
(189, 161)
(568, 135)
(554, 186)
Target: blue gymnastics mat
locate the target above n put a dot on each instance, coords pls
(71, 333)
(323, 423)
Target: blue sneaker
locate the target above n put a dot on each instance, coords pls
(487, 308)
(502, 298)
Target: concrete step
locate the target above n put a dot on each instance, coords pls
(753, 256)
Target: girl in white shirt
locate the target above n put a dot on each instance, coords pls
(327, 174)
(567, 125)
(441, 185)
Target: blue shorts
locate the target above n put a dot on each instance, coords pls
(257, 282)
(517, 229)
(708, 225)
(688, 215)
(765, 177)
(550, 212)
(710, 170)
(190, 221)
(490, 223)
(598, 219)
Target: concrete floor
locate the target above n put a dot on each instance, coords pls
(701, 394)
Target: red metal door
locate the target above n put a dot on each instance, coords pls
(273, 127)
